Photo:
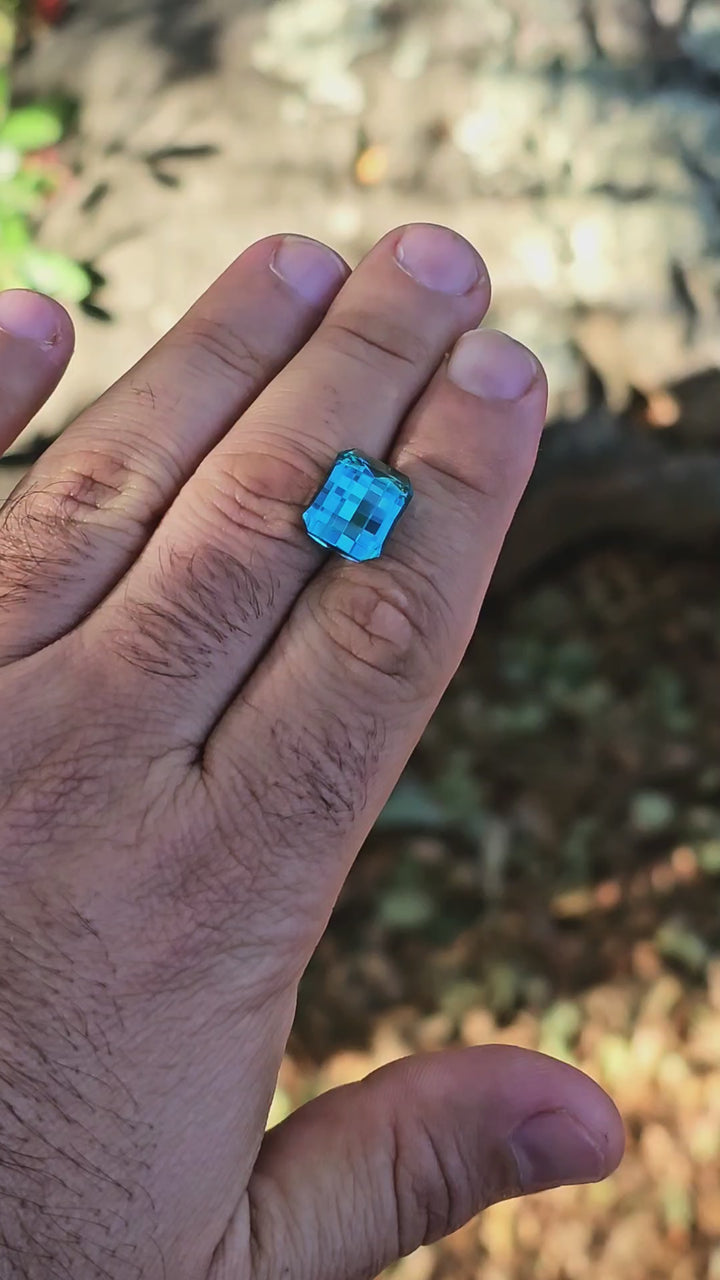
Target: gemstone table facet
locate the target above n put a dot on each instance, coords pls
(357, 506)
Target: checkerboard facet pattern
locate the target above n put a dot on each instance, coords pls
(357, 506)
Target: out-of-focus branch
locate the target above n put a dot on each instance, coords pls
(602, 480)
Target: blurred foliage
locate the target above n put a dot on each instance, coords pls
(30, 172)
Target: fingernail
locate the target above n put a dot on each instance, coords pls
(553, 1149)
(439, 259)
(29, 315)
(492, 365)
(309, 268)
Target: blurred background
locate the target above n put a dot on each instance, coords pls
(548, 871)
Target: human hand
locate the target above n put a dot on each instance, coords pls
(202, 716)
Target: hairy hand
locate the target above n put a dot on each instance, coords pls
(202, 715)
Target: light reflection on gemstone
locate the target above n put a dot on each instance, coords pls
(357, 506)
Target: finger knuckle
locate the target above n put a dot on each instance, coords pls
(40, 544)
(196, 603)
(377, 341)
(89, 487)
(498, 473)
(260, 493)
(381, 627)
(431, 1184)
(215, 347)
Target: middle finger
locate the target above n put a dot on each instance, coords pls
(227, 562)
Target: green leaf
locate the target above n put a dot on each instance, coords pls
(677, 1206)
(14, 236)
(410, 806)
(9, 278)
(4, 90)
(23, 193)
(676, 941)
(709, 857)
(7, 40)
(55, 274)
(652, 812)
(405, 908)
(31, 128)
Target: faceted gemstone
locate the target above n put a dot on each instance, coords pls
(357, 506)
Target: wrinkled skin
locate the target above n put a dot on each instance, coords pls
(202, 715)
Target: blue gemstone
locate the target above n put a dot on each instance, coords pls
(357, 506)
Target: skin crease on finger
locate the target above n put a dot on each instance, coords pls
(188, 770)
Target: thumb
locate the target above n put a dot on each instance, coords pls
(367, 1173)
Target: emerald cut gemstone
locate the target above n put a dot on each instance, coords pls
(357, 506)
